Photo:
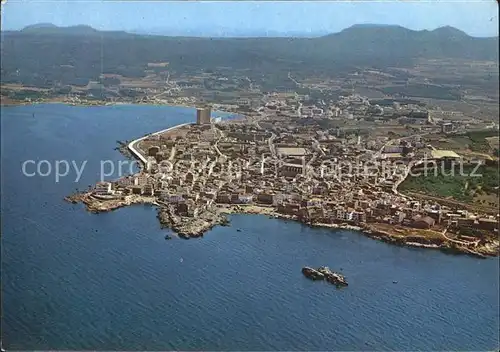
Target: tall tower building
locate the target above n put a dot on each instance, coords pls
(203, 116)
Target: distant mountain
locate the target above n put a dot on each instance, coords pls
(48, 28)
(55, 54)
(51, 29)
(39, 26)
(395, 31)
(402, 44)
(371, 25)
(449, 32)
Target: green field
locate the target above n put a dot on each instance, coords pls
(478, 142)
(462, 187)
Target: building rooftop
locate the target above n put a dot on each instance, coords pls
(291, 151)
(439, 154)
(393, 155)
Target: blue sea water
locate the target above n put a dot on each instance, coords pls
(72, 280)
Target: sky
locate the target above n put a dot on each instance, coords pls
(475, 17)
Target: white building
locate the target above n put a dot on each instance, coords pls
(103, 188)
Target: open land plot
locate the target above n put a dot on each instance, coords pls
(463, 186)
(370, 93)
(478, 143)
(494, 142)
(17, 87)
(459, 143)
(491, 199)
(483, 110)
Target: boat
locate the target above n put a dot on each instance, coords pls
(332, 277)
(168, 237)
(312, 274)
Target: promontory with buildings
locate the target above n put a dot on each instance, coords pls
(284, 159)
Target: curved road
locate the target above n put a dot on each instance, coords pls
(407, 172)
(138, 155)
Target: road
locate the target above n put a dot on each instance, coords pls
(216, 147)
(254, 121)
(294, 81)
(172, 153)
(299, 110)
(463, 243)
(249, 81)
(407, 172)
(211, 168)
(272, 149)
(316, 146)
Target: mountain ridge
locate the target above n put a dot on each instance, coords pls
(51, 54)
(50, 28)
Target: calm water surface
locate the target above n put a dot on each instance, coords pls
(74, 280)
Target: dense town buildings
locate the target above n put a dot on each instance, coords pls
(285, 161)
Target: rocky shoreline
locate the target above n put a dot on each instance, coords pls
(189, 228)
(124, 149)
(375, 232)
(421, 242)
(195, 227)
(101, 205)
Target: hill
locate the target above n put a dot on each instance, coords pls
(44, 29)
(39, 27)
(44, 54)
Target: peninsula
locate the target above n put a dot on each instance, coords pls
(288, 165)
(376, 128)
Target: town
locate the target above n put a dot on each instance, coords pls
(332, 165)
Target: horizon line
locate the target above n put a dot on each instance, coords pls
(273, 33)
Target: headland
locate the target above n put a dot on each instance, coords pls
(198, 173)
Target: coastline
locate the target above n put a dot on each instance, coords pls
(118, 103)
(198, 226)
(89, 104)
(98, 103)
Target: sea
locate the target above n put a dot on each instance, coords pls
(72, 280)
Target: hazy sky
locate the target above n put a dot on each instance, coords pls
(476, 17)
